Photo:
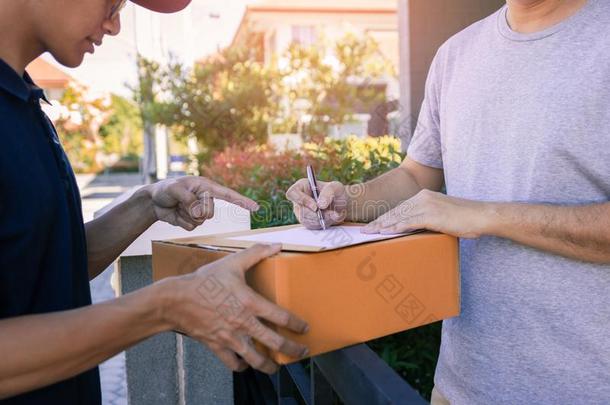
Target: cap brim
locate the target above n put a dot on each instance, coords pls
(163, 6)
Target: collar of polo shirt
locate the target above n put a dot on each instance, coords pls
(20, 87)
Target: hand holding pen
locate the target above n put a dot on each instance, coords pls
(328, 209)
(313, 185)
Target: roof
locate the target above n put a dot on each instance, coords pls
(48, 76)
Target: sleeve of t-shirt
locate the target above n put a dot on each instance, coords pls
(425, 146)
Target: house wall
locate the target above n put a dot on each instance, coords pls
(381, 24)
(277, 27)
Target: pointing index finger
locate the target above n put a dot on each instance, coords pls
(224, 193)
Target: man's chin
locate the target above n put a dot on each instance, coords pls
(70, 61)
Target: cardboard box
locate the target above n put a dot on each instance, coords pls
(349, 295)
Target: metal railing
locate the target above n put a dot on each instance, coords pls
(352, 376)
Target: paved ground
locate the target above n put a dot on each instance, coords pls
(96, 192)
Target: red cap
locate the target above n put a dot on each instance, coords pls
(163, 6)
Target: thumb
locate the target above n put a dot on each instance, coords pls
(183, 195)
(248, 258)
(328, 194)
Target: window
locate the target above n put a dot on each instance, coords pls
(303, 35)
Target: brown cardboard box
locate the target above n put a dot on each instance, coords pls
(349, 295)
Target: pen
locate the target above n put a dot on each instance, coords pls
(313, 184)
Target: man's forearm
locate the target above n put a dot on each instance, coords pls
(38, 350)
(374, 198)
(113, 232)
(578, 232)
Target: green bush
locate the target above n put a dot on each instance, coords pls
(264, 175)
(413, 355)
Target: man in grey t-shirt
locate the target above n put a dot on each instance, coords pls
(516, 124)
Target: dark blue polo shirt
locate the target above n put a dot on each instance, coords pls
(43, 252)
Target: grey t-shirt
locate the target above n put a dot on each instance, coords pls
(524, 118)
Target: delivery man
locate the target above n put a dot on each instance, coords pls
(51, 337)
(516, 123)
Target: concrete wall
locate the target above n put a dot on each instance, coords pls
(152, 366)
(169, 368)
(432, 22)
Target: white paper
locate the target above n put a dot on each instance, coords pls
(332, 238)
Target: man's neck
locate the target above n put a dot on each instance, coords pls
(528, 16)
(18, 46)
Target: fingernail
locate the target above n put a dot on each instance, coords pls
(305, 328)
(322, 203)
(305, 352)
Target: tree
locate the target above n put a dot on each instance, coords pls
(150, 76)
(335, 80)
(78, 124)
(225, 101)
(233, 98)
(122, 131)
